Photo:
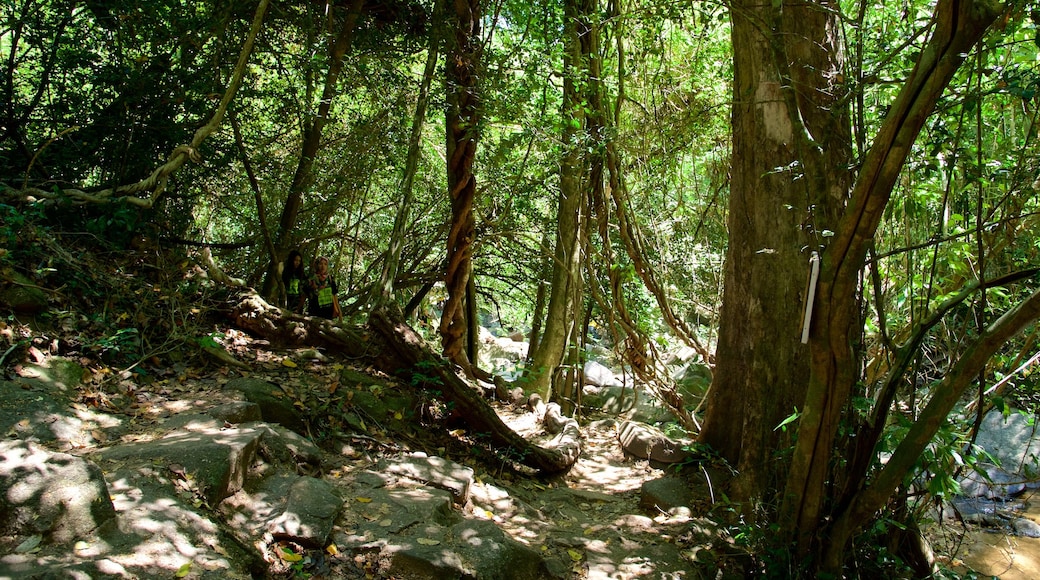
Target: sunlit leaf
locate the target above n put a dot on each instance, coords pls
(184, 570)
(288, 555)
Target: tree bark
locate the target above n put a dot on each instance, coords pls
(958, 27)
(791, 152)
(548, 350)
(462, 123)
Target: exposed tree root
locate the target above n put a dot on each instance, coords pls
(395, 348)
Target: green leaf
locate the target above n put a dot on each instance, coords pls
(790, 419)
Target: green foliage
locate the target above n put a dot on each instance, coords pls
(424, 373)
(211, 340)
(17, 231)
(124, 343)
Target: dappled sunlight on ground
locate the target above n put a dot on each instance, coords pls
(602, 466)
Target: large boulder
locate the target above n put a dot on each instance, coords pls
(23, 295)
(1013, 441)
(55, 495)
(275, 405)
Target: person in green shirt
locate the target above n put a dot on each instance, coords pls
(295, 279)
(322, 290)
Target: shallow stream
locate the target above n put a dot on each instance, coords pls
(992, 551)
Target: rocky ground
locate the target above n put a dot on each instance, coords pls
(221, 472)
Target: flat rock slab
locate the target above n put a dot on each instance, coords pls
(436, 472)
(310, 511)
(666, 494)
(216, 460)
(373, 514)
(275, 406)
(470, 549)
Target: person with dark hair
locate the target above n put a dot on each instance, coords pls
(322, 290)
(295, 279)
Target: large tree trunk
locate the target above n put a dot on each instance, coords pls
(959, 25)
(791, 152)
(462, 122)
(392, 346)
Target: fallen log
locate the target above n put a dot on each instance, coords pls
(396, 349)
(405, 346)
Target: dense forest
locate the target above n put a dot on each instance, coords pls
(833, 204)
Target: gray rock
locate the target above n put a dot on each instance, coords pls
(666, 494)
(996, 484)
(310, 511)
(58, 373)
(1025, 527)
(471, 549)
(216, 460)
(436, 472)
(1013, 441)
(236, 412)
(275, 406)
(648, 442)
(627, 402)
(56, 495)
(597, 374)
(280, 445)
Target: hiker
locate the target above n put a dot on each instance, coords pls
(322, 291)
(295, 279)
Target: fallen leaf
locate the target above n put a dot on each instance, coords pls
(428, 541)
(288, 363)
(364, 499)
(184, 570)
(288, 555)
(331, 550)
(29, 545)
(575, 555)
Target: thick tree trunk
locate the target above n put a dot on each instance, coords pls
(392, 346)
(791, 152)
(958, 27)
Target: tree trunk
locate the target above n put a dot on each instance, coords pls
(462, 122)
(791, 152)
(312, 132)
(958, 27)
(547, 352)
(384, 288)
